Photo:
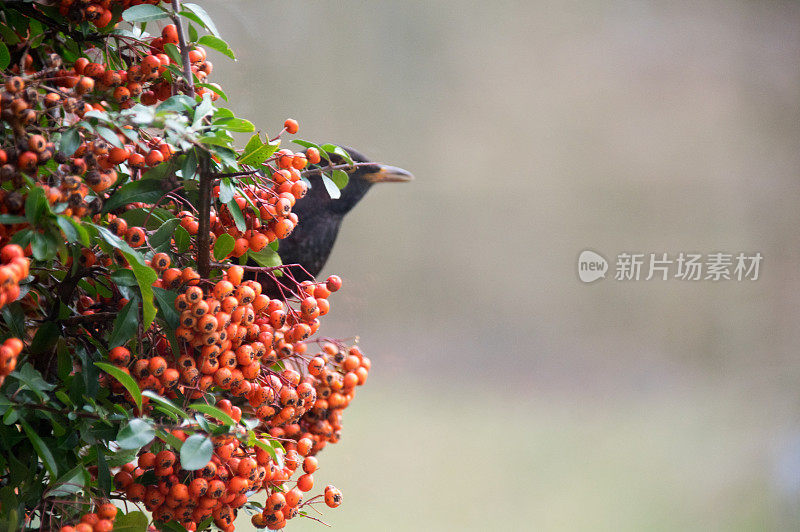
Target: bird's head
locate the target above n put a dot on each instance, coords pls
(361, 177)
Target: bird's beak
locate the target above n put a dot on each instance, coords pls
(389, 174)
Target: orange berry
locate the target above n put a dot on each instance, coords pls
(291, 126)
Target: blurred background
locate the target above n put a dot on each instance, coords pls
(505, 394)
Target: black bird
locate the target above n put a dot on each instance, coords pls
(320, 216)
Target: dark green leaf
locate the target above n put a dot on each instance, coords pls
(143, 190)
(70, 482)
(45, 337)
(41, 449)
(238, 217)
(166, 302)
(36, 205)
(202, 17)
(330, 186)
(143, 13)
(191, 30)
(126, 380)
(182, 239)
(73, 231)
(135, 435)
(215, 43)
(11, 219)
(145, 275)
(70, 141)
(172, 51)
(164, 233)
(189, 166)
(196, 452)
(5, 57)
(31, 379)
(223, 246)
(124, 277)
(126, 324)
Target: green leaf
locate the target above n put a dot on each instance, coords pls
(340, 178)
(145, 275)
(226, 190)
(338, 150)
(214, 88)
(123, 277)
(8, 219)
(215, 43)
(41, 449)
(109, 136)
(238, 217)
(36, 205)
(164, 233)
(70, 141)
(126, 380)
(308, 144)
(172, 51)
(126, 324)
(5, 57)
(143, 13)
(167, 437)
(70, 482)
(260, 154)
(196, 452)
(73, 231)
(143, 190)
(203, 17)
(136, 434)
(190, 29)
(166, 302)
(132, 521)
(214, 412)
(330, 186)
(30, 378)
(272, 447)
(45, 338)
(165, 403)
(203, 110)
(179, 103)
(266, 257)
(238, 125)
(182, 239)
(223, 246)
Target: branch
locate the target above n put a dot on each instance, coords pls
(187, 65)
(53, 26)
(204, 215)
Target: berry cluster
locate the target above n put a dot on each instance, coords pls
(13, 269)
(101, 520)
(99, 13)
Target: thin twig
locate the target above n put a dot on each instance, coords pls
(187, 64)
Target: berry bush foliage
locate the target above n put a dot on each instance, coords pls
(148, 383)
